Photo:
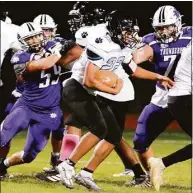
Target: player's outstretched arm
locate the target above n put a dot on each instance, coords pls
(145, 74)
(142, 54)
(70, 52)
(43, 63)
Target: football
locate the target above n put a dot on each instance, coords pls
(108, 78)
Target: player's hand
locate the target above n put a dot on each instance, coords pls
(118, 86)
(165, 81)
(55, 49)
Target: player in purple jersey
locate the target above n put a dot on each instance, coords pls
(39, 106)
(49, 28)
(163, 48)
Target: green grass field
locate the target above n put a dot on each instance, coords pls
(177, 178)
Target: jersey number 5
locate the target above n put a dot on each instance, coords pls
(51, 79)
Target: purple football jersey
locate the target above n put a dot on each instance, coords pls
(19, 87)
(41, 88)
(167, 55)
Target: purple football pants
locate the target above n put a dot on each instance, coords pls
(151, 123)
(39, 124)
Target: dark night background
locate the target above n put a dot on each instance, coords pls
(21, 12)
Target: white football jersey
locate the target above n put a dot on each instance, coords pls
(160, 97)
(182, 78)
(8, 36)
(110, 57)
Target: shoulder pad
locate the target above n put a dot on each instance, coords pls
(50, 44)
(82, 32)
(101, 40)
(102, 27)
(58, 39)
(21, 57)
(81, 35)
(149, 38)
(187, 31)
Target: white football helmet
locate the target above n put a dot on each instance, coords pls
(28, 30)
(47, 24)
(167, 23)
(45, 21)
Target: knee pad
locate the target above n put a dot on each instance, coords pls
(70, 141)
(58, 134)
(28, 157)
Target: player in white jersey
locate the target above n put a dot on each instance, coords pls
(131, 37)
(98, 16)
(8, 37)
(92, 102)
(180, 105)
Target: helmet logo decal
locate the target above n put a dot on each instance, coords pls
(176, 13)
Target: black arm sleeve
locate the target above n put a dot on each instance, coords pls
(127, 68)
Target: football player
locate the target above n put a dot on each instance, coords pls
(8, 36)
(163, 48)
(35, 108)
(180, 105)
(94, 105)
(49, 28)
(48, 25)
(99, 18)
(72, 135)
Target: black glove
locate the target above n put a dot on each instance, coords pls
(66, 46)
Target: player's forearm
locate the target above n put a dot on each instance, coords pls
(145, 74)
(42, 64)
(72, 55)
(101, 87)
